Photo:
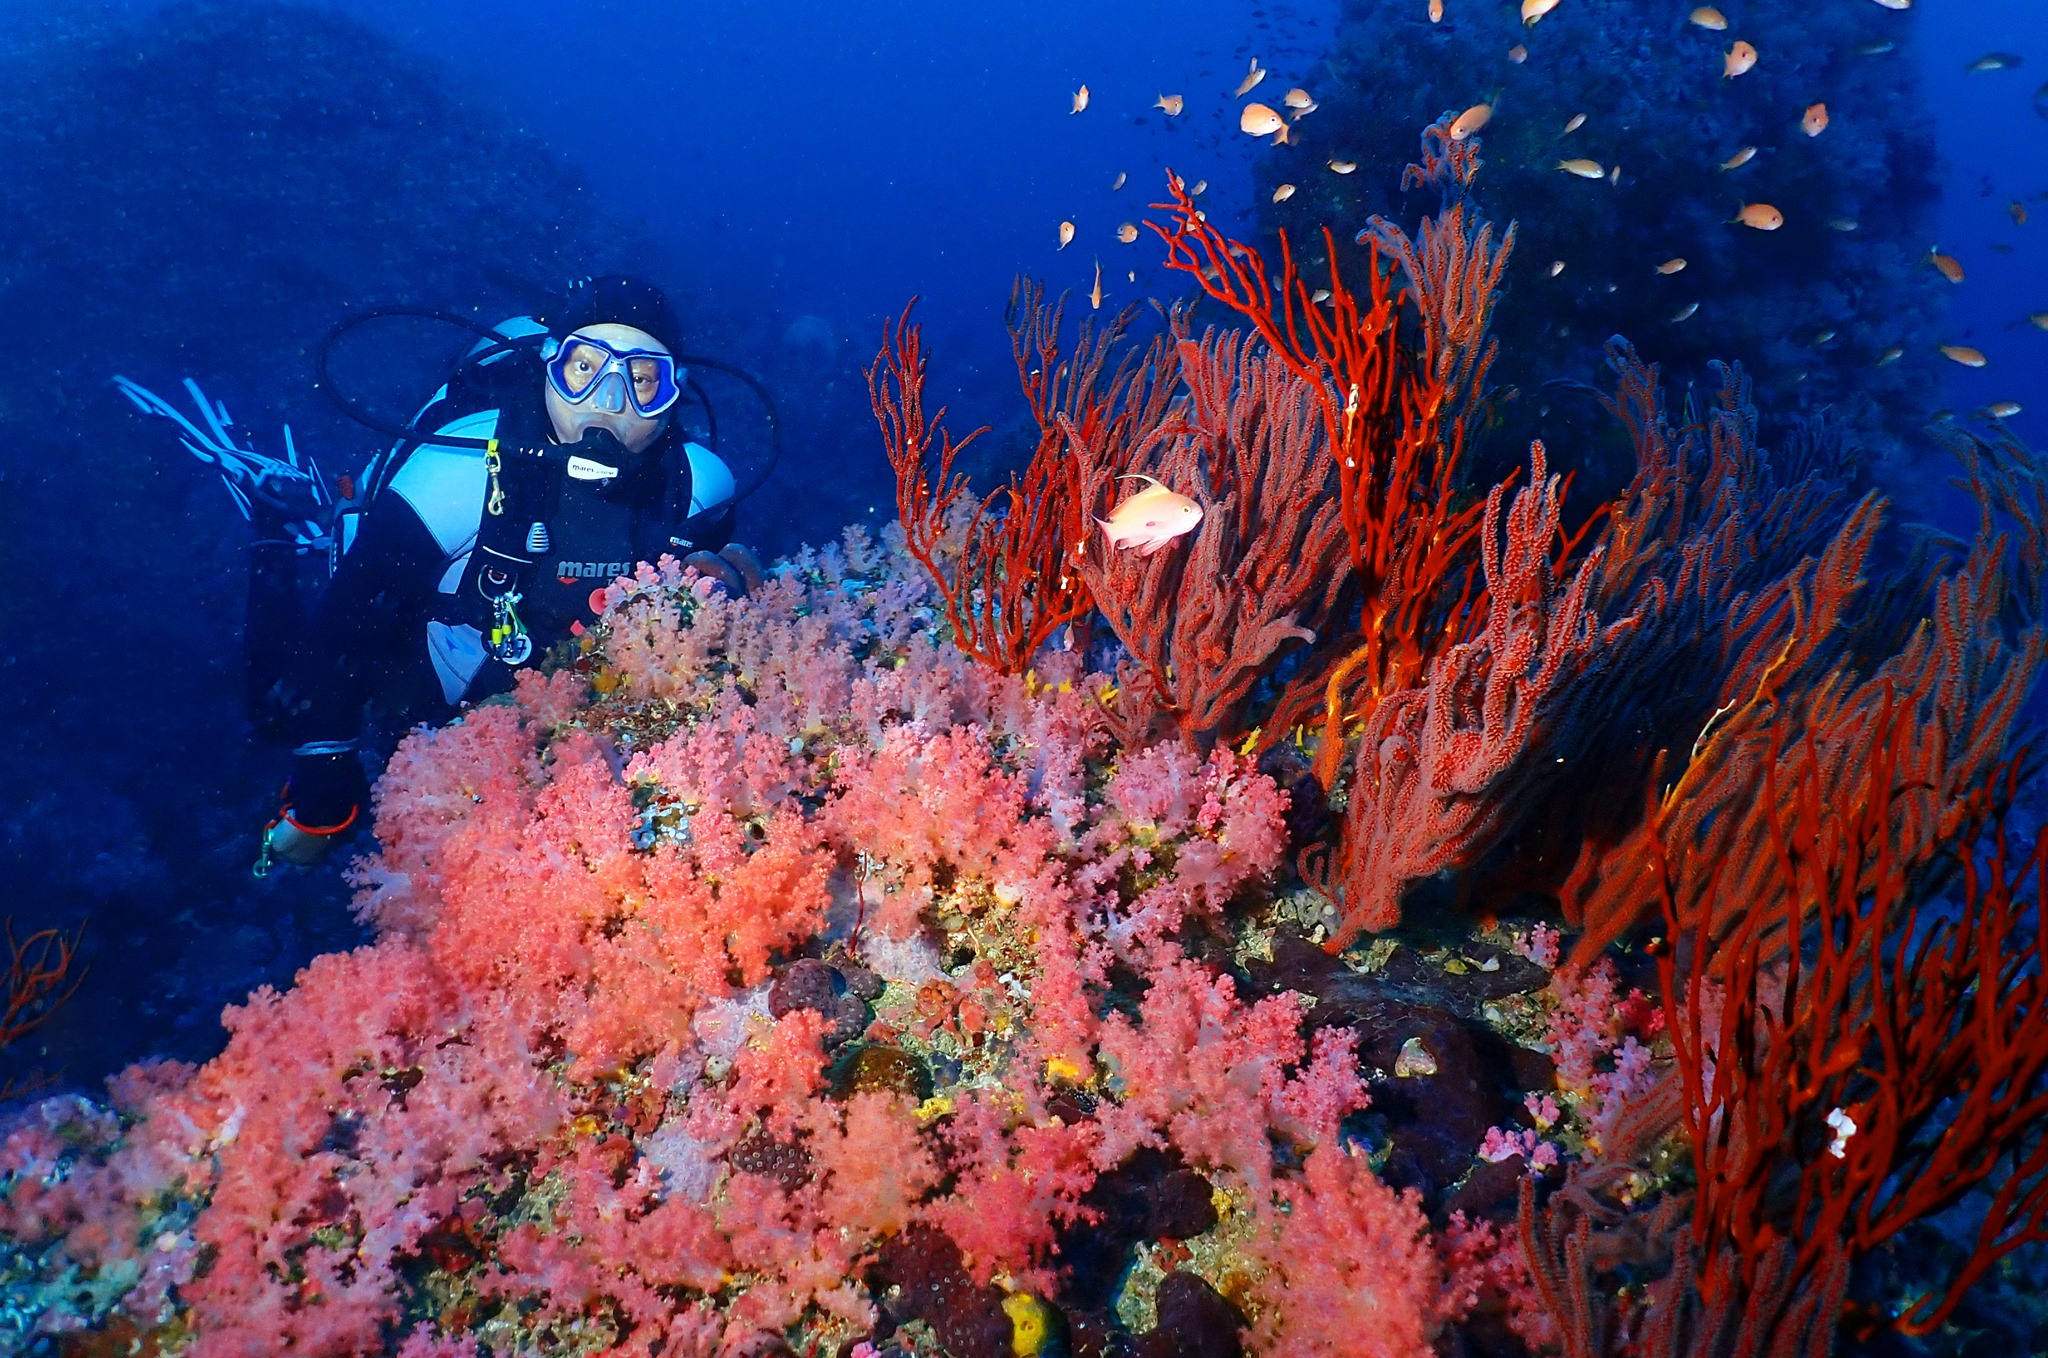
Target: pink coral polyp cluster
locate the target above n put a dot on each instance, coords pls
(579, 1094)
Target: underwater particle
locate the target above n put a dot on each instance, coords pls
(1671, 266)
(1583, 167)
(1066, 234)
(1685, 312)
(1876, 49)
(1556, 267)
(1890, 356)
(1965, 355)
(1471, 120)
(1298, 99)
(1343, 166)
(1993, 61)
(2000, 410)
(1739, 159)
(1436, 11)
(1127, 233)
(1283, 192)
(1251, 79)
(1257, 120)
(1518, 54)
(1533, 10)
(1740, 59)
(1170, 104)
(2017, 211)
(1759, 217)
(1414, 1059)
(1578, 121)
(1841, 223)
(1118, 182)
(1948, 266)
(1814, 121)
(1031, 1327)
(1080, 99)
(1707, 17)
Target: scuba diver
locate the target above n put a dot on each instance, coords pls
(548, 464)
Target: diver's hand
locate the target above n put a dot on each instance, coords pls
(286, 841)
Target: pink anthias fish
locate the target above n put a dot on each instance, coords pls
(1150, 519)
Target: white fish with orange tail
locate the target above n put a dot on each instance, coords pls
(1150, 519)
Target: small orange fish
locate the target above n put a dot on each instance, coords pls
(1518, 54)
(1260, 121)
(1319, 296)
(1706, 16)
(1841, 223)
(1685, 312)
(1118, 182)
(1436, 11)
(2017, 211)
(1739, 159)
(1946, 266)
(1740, 59)
(1282, 193)
(1890, 356)
(1965, 355)
(1251, 79)
(1471, 120)
(1556, 267)
(1815, 120)
(1761, 216)
(1532, 10)
(1896, 4)
(1671, 266)
(1170, 104)
(1201, 187)
(2001, 410)
(2039, 320)
(1298, 99)
(1578, 121)
(1080, 99)
(1066, 234)
(1150, 519)
(1095, 293)
(1343, 166)
(1583, 168)
(1127, 233)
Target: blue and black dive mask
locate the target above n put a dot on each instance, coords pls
(582, 370)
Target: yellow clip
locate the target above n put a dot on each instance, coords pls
(492, 463)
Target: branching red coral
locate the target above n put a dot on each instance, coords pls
(1446, 766)
(1005, 571)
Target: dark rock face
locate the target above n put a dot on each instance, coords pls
(203, 191)
(1151, 1196)
(1436, 1121)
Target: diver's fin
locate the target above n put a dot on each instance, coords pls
(285, 494)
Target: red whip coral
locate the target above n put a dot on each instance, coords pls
(1444, 767)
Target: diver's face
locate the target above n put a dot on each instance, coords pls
(633, 429)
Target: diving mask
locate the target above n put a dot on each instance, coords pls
(585, 370)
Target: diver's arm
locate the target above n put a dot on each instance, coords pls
(372, 611)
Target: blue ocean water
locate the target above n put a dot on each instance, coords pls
(793, 172)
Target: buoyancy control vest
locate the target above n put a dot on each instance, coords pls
(531, 529)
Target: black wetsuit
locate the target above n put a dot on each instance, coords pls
(405, 621)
